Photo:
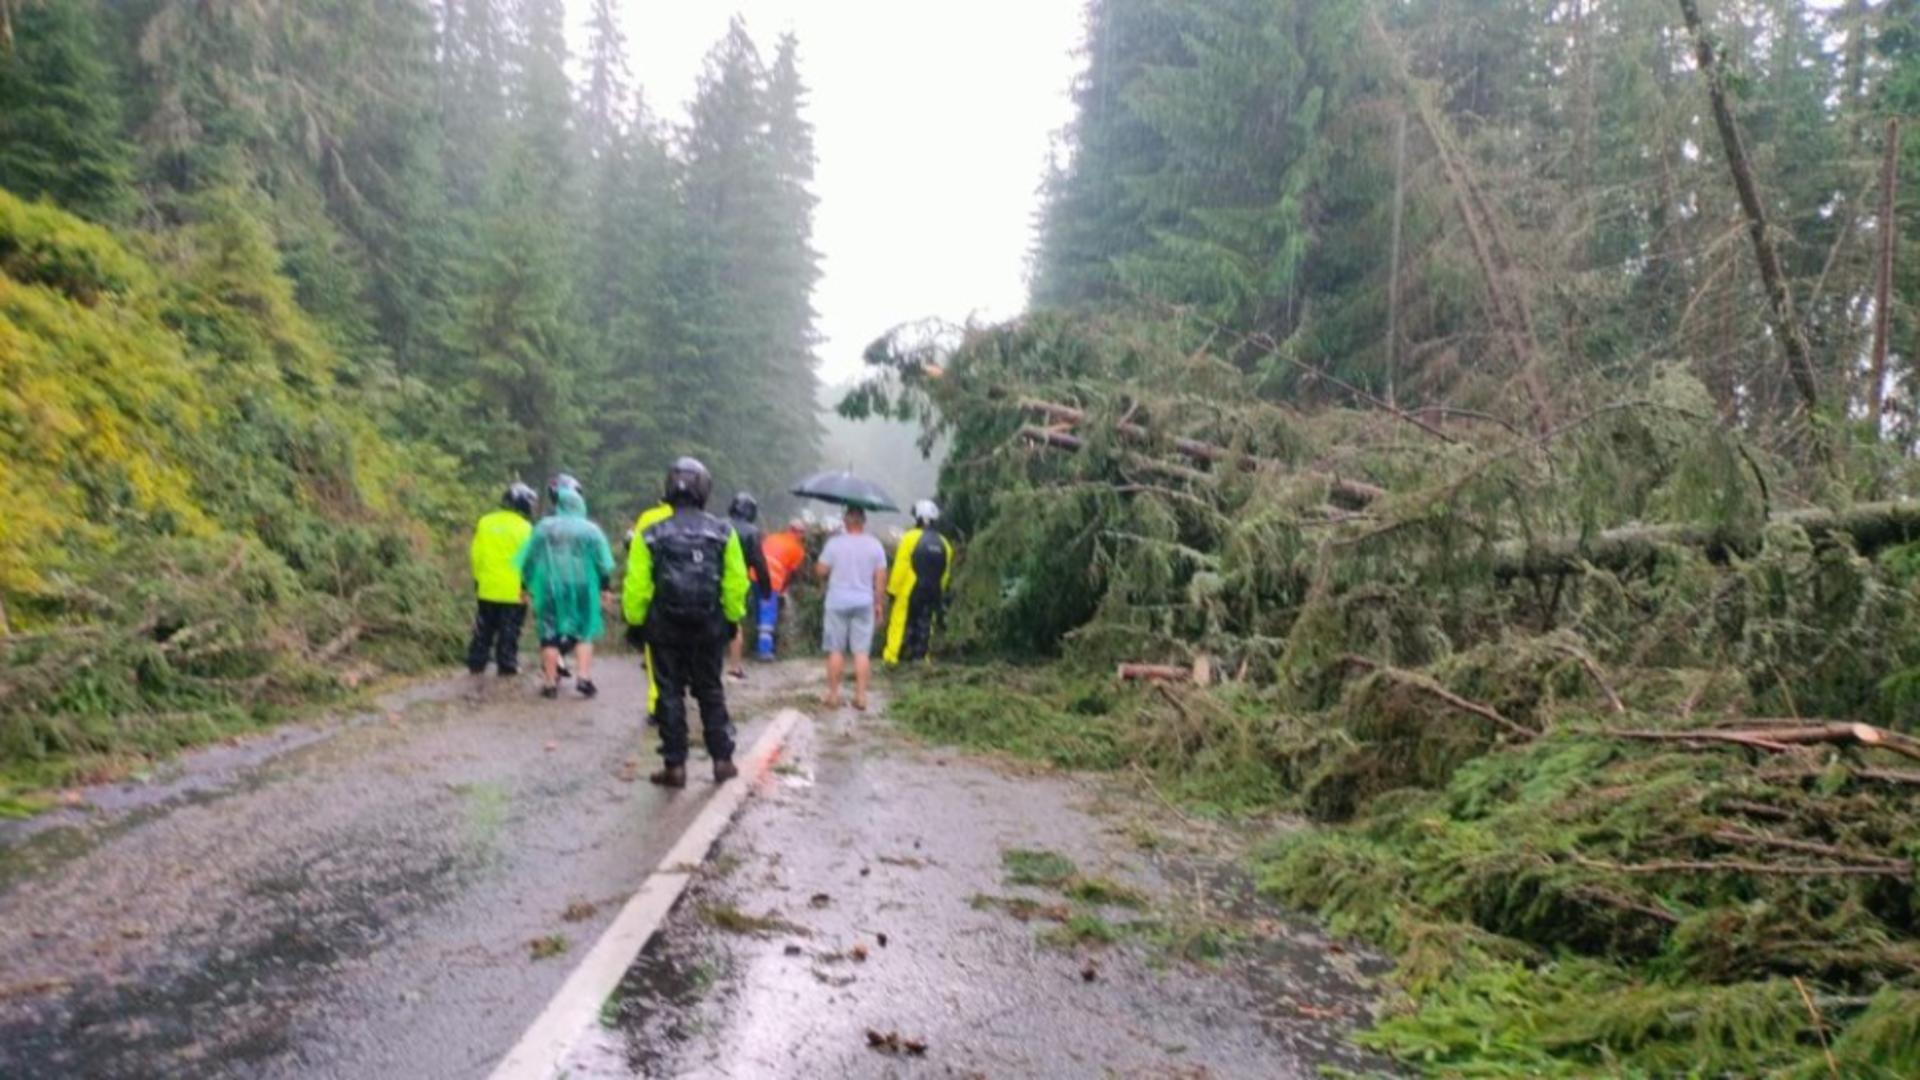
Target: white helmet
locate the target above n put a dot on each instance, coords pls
(925, 512)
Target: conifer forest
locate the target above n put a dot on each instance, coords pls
(1481, 435)
(285, 283)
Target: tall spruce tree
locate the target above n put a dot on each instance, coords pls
(729, 380)
(517, 342)
(609, 80)
(1091, 216)
(633, 308)
(60, 127)
(792, 264)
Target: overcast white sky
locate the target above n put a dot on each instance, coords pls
(932, 119)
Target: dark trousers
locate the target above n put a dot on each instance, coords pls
(693, 666)
(919, 635)
(496, 633)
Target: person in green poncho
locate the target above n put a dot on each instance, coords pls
(567, 566)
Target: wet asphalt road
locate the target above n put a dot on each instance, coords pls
(355, 901)
(870, 860)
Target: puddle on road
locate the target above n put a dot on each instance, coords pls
(194, 777)
(239, 998)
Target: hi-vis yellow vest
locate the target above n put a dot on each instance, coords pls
(497, 540)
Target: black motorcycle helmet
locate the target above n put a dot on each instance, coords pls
(745, 507)
(520, 499)
(688, 483)
(562, 482)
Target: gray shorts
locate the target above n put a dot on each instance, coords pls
(848, 630)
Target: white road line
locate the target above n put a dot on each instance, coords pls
(577, 1003)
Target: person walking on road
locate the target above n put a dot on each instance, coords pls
(497, 539)
(558, 482)
(922, 569)
(741, 514)
(686, 586)
(854, 566)
(568, 566)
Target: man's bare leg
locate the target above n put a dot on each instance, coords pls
(862, 668)
(737, 666)
(835, 665)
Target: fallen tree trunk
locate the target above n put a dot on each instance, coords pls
(1355, 493)
(1132, 432)
(1780, 739)
(1152, 673)
(1871, 526)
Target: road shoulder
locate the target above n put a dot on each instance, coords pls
(893, 908)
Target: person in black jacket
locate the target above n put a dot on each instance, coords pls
(741, 514)
(686, 587)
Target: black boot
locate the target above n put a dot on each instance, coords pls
(671, 776)
(724, 771)
(586, 688)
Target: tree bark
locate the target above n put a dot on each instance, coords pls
(1152, 673)
(1393, 259)
(1883, 284)
(1779, 739)
(1786, 325)
(1355, 492)
(1871, 526)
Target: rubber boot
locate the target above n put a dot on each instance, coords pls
(724, 771)
(673, 776)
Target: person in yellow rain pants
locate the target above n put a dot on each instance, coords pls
(651, 516)
(922, 570)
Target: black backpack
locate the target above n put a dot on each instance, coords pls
(689, 556)
(929, 566)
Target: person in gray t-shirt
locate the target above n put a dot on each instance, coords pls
(855, 568)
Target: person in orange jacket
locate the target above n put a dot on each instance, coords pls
(786, 555)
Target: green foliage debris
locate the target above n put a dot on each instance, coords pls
(732, 920)
(1028, 866)
(1604, 747)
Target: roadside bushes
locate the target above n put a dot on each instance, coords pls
(203, 528)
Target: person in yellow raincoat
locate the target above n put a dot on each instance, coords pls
(922, 570)
(497, 539)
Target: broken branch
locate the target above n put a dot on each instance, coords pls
(1781, 739)
(1426, 685)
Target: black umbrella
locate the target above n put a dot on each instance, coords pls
(845, 489)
